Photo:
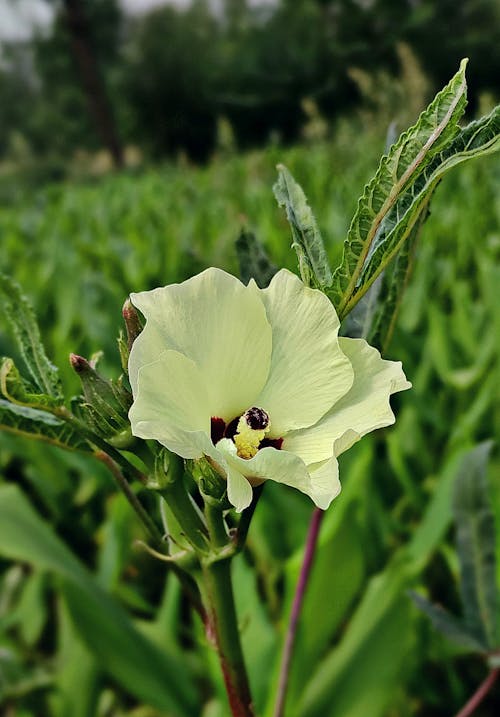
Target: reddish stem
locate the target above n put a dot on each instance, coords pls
(479, 694)
(298, 599)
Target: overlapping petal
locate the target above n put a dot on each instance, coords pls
(363, 409)
(267, 464)
(325, 483)
(217, 322)
(213, 347)
(172, 405)
(309, 372)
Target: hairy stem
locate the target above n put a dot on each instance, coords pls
(298, 599)
(66, 415)
(222, 630)
(177, 498)
(124, 486)
(479, 694)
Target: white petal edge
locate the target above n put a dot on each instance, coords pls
(239, 490)
(217, 322)
(363, 409)
(325, 483)
(309, 372)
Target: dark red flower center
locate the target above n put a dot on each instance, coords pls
(256, 418)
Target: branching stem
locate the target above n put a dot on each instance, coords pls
(124, 486)
(479, 694)
(222, 629)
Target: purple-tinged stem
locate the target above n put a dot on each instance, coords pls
(479, 694)
(298, 599)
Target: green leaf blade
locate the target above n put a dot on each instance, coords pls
(307, 240)
(16, 390)
(40, 425)
(480, 138)
(449, 625)
(253, 260)
(475, 525)
(149, 673)
(21, 317)
(397, 171)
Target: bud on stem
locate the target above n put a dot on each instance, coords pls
(132, 322)
(106, 403)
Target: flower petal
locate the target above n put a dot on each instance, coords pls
(268, 464)
(363, 409)
(239, 490)
(171, 405)
(309, 371)
(220, 324)
(325, 483)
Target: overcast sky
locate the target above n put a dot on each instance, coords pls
(18, 18)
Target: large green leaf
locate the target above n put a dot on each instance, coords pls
(253, 260)
(22, 318)
(144, 670)
(361, 675)
(394, 282)
(307, 241)
(475, 532)
(479, 138)
(397, 171)
(40, 425)
(15, 389)
(449, 625)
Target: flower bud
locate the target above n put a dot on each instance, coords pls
(132, 322)
(211, 484)
(106, 403)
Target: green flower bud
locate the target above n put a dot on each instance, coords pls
(211, 484)
(106, 404)
(132, 322)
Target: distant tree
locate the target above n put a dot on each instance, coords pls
(80, 31)
(170, 79)
(72, 64)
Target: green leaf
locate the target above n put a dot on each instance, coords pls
(394, 283)
(475, 534)
(449, 625)
(74, 665)
(40, 425)
(397, 171)
(144, 670)
(21, 317)
(307, 241)
(477, 139)
(361, 675)
(16, 390)
(253, 260)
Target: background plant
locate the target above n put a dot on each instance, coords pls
(383, 506)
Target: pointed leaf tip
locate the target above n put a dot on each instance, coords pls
(476, 544)
(307, 240)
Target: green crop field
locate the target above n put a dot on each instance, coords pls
(78, 250)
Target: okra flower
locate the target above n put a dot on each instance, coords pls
(257, 381)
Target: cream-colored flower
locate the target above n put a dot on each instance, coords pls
(256, 380)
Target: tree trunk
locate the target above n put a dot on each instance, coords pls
(97, 99)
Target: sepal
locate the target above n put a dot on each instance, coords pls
(106, 404)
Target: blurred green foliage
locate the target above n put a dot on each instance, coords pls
(363, 649)
(173, 73)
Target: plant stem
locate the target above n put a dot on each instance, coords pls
(222, 629)
(479, 694)
(246, 517)
(124, 486)
(179, 502)
(66, 415)
(311, 542)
